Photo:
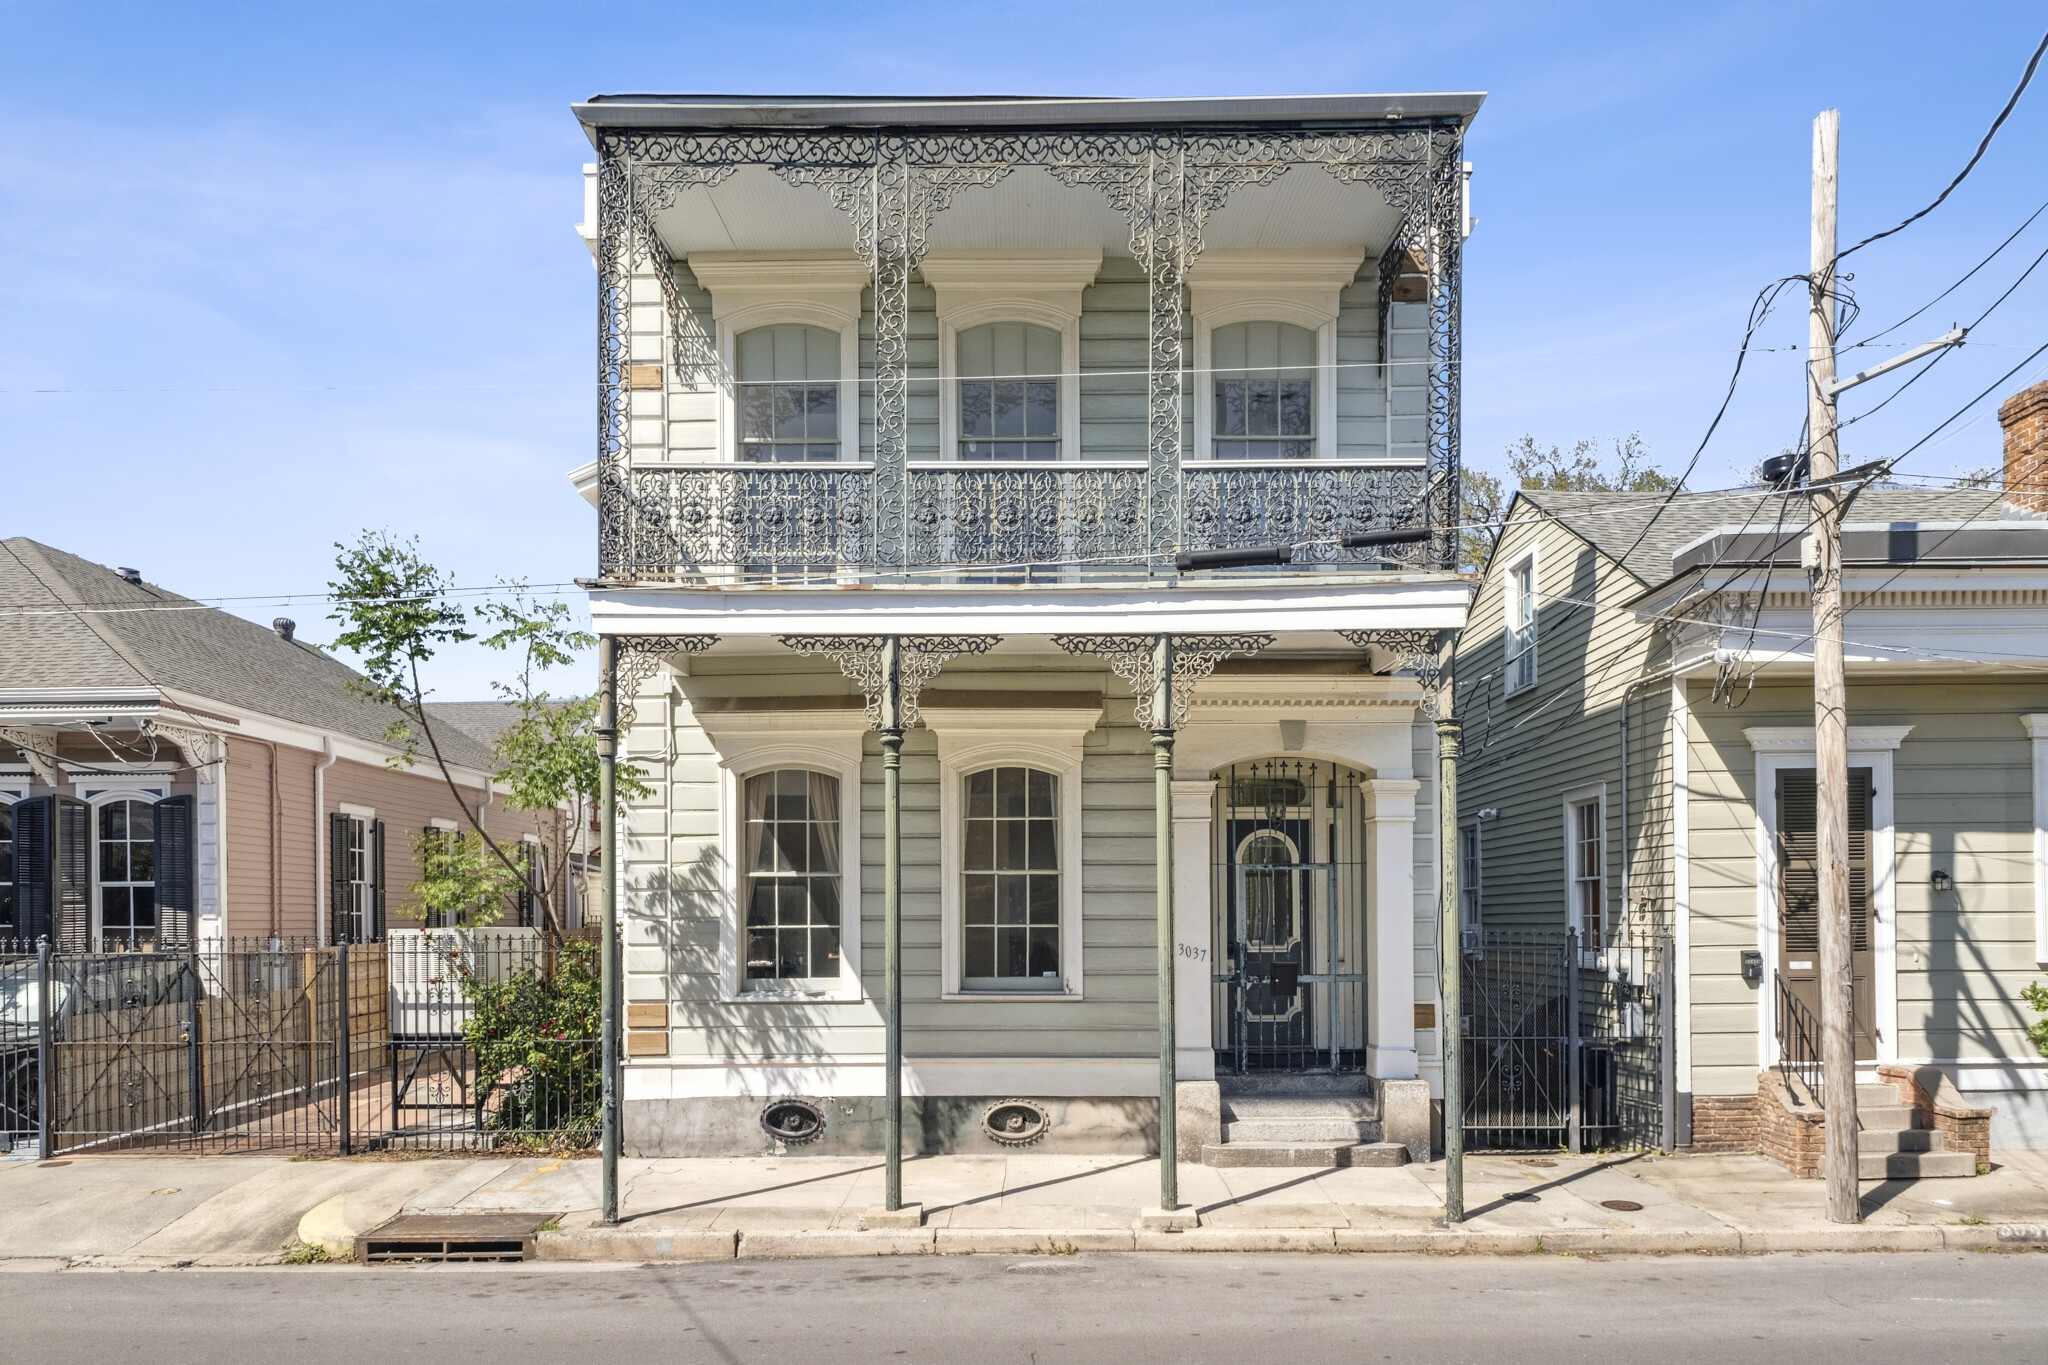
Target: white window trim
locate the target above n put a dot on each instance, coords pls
(105, 790)
(1511, 596)
(1578, 796)
(1043, 287)
(2037, 731)
(1302, 286)
(752, 289)
(1870, 746)
(751, 742)
(973, 738)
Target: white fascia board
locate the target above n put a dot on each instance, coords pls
(76, 705)
(255, 725)
(584, 477)
(1435, 603)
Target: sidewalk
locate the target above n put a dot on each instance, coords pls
(168, 1211)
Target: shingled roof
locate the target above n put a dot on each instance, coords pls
(70, 623)
(1615, 523)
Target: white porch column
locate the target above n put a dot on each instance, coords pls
(1194, 1039)
(1390, 927)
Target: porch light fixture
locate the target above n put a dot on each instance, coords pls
(1941, 881)
(1244, 557)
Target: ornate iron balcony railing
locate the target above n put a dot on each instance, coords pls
(734, 522)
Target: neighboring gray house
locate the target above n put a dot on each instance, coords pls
(1635, 690)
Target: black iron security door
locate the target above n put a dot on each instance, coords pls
(1287, 999)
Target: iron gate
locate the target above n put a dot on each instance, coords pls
(438, 1038)
(1290, 988)
(1567, 1045)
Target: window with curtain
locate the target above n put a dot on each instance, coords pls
(788, 394)
(1011, 903)
(1009, 392)
(127, 874)
(1265, 391)
(792, 877)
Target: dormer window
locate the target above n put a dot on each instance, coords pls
(1265, 391)
(1009, 392)
(788, 394)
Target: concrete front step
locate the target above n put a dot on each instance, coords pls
(1304, 1154)
(1876, 1096)
(1359, 1108)
(1888, 1118)
(1901, 1140)
(1914, 1165)
(1300, 1130)
(1295, 1084)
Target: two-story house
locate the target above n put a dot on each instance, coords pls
(1019, 520)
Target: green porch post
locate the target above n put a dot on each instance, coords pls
(1162, 855)
(608, 818)
(1450, 1028)
(892, 917)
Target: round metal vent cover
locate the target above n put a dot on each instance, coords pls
(793, 1121)
(1016, 1123)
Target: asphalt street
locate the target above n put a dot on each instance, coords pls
(1232, 1310)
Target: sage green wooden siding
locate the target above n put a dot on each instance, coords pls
(1522, 753)
(674, 900)
(1962, 802)
(1114, 353)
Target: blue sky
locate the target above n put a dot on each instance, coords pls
(298, 270)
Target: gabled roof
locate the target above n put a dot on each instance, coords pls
(69, 623)
(1630, 529)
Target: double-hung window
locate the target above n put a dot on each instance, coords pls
(1009, 392)
(791, 935)
(1010, 872)
(8, 928)
(1521, 633)
(357, 847)
(127, 874)
(1265, 391)
(1589, 863)
(1468, 878)
(788, 394)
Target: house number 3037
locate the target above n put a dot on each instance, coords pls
(1193, 953)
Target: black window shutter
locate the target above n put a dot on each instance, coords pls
(337, 876)
(1799, 858)
(373, 917)
(177, 881)
(34, 866)
(72, 872)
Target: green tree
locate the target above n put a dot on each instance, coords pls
(1581, 469)
(397, 612)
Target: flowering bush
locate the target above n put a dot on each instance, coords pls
(536, 1038)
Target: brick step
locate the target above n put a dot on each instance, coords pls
(1886, 1140)
(1914, 1165)
(1304, 1154)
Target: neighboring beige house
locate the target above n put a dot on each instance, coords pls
(1635, 688)
(936, 384)
(171, 771)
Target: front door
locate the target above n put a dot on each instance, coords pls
(1799, 895)
(1292, 996)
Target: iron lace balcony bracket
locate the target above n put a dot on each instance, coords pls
(1165, 181)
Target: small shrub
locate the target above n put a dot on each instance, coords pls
(536, 1041)
(305, 1253)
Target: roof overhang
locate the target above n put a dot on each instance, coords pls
(676, 112)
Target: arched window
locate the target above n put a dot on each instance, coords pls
(1265, 391)
(792, 877)
(1009, 392)
(1011, 869)
(1268, 895)
(127, 874)
(8, 928)
(788, 393)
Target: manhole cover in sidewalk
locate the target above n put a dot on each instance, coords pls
(1621, 1205)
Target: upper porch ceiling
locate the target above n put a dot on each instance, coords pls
(756, 210)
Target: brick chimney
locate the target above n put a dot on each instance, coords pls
(2025, 419)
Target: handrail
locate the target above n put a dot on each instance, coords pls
(1798, 1043)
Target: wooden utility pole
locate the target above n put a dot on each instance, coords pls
(1830, 699)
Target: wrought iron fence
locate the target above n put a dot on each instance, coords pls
(1079, 520)
(1567, 1044)
(457, 1038)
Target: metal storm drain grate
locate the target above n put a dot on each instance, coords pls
(452, 1237)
